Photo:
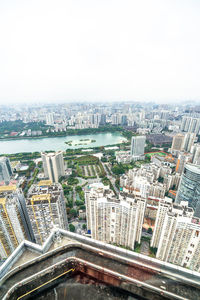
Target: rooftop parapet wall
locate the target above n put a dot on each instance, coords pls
(116, 253)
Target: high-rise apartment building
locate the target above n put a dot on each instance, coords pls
(53, 165)
(5, 170)
(113, 220)
(189, 188)
(179, 239)
(124, 120)
(196, 154)
(137, 147)
(182, 142)
(50, 119)
(14, 222)
(178, 142)
(183, 158)
(163, 208)
(103, 119)
(190, 124)
(189, 141)
(115, 119)
(171, 181)
(152, 210)
(157, 190)
(46, 208)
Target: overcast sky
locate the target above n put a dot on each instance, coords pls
(63, 50)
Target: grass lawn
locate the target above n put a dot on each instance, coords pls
(155, 153)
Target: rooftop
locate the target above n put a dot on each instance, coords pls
(32, 265)
(41, 197)
(3, 201)
(44, 192)
(8, 188)
(44, 182)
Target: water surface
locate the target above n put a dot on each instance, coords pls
(58, 143)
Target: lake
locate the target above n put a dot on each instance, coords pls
(58, 143)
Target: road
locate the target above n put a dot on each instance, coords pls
(110, 177)
(74, 197)
(144, 247)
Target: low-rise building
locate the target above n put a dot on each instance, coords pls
(123, 157)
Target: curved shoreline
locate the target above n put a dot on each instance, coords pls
(58, 143)
(66, 134)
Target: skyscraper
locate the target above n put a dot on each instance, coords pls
(53, 165)
(46, 208)
(14, 222)
(137, 147)
(189, 187)
(5, 170)
(113, 220)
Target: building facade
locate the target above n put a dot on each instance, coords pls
(180, 239)
(46, 209)
(178, 142)
(137, 147)
(189, 187)
(50, 119)
(53, 165)
(14, 222)
(190, 124)
(5, 170)
(196, 154)
(111, 220)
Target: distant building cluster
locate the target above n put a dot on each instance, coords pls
(145, 180)
(154, 181)
(136, 152)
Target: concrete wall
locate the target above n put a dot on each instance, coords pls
(142, 260)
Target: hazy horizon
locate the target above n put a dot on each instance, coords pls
(108, 50)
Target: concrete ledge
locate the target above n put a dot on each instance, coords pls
(154, 292)
(163, 267)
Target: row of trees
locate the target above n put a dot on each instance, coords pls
(72, 227)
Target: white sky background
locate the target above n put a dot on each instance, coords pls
(64, 50)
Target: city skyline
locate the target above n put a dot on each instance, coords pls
(99, 149)
(122, 174)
